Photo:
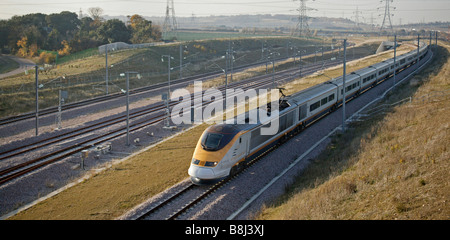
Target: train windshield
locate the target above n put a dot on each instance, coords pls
(211, 141)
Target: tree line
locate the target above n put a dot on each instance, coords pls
(66, 33)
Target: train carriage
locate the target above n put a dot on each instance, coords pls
(367, 77)
(224, 148)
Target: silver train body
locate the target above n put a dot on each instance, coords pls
(224, 148)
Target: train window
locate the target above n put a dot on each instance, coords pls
(331, 97)
(211, 141)
(314, 106)
(216, 137)
(240, 140)
(324, 101)
(383, 71)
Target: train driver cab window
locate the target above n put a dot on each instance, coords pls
(211, 141)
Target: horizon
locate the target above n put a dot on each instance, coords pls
(406, 11)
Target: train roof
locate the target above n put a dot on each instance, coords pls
(223, 128)
(363, 71)
(380, 65)
(249, 122)
(309, 93)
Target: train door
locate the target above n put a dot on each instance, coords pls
(240, 150)
(246, 143)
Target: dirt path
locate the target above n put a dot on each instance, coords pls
(24, 64)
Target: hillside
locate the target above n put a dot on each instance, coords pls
(393, 166)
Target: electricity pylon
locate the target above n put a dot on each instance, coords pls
(302, 28)
(170, 26)
(387, 16)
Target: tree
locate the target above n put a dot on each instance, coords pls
(27, 48)
(66, 49)
(31, 25)
(23, 47)
(113, 30)
(3, 36)
(96, 15)
(64, 32)
(86, 26)
(142, 30)
(67, 23)
(53, 40)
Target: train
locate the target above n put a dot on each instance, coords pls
(224, 149)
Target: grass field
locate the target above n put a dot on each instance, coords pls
(393, 166)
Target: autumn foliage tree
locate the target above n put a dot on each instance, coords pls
(26, 49)
(66, 49)
(142, 30)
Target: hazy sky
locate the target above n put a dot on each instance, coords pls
(407, 11)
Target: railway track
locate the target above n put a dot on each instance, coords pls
(159, 106)
(47, 111)
(191, 195)
(10, 173)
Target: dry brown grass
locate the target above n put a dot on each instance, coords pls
(393, 167)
